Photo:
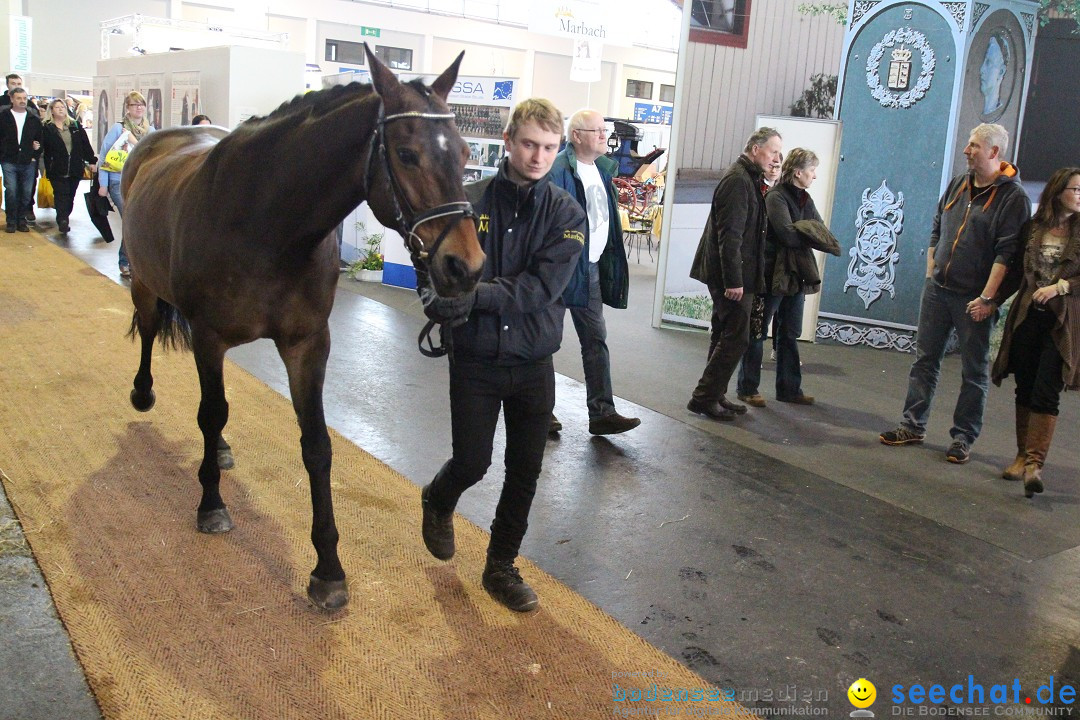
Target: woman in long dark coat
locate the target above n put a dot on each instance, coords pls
(67, 153)
(1041, 342)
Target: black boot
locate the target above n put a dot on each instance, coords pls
(503, 581)
(437, 527)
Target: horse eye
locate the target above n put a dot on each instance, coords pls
(408, 157)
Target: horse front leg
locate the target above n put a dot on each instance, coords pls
(306, 365)
(212, 515)
(147, 322)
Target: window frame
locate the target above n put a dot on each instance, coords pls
(720, 37)
(336, 43)
(660, 97)
(380, 52)
(639, 82)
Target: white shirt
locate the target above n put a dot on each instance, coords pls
(596, 207)
(20, 121)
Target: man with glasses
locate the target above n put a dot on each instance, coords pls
(974, 237)
(602, 276)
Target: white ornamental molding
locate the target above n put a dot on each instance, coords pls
(878, 224)
(861, 8)
(890, 95)
(977, 13)
(1029, 22)
(876, 337)
(958, 10)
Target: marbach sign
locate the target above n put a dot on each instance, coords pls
(600, 20)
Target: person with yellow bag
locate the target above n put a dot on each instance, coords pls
(120, 140)
(67, 153)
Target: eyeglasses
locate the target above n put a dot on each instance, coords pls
(136, 104)
(1074, 190)
(601, 131)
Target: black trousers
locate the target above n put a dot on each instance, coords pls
(1036, 363)
(64, 191)
(526, 396)
(729, 340)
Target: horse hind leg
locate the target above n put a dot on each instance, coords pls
(306, 365)
(212, 515)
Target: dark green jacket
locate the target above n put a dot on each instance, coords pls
(614, 273)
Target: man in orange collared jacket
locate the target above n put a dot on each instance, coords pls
(976, 232)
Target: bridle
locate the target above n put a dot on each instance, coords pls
(407, 222)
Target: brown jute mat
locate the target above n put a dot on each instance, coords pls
(169, 623)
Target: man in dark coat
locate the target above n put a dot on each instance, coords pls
(730, 260)
(602, 276)
(20, 146)
(504, 334)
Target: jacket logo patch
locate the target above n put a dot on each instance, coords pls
(574, 235)
(482, 223)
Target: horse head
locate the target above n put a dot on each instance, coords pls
(415, 166)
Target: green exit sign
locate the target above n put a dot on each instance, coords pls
(369, 31)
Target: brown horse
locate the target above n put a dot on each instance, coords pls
(230, 237)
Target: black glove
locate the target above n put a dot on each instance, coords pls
(449, 312)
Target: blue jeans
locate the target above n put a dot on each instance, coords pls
(18, 185)
(941, 311)
(788, 312)
(595, 358)
(118, 201)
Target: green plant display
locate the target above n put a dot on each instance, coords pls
(818, 99)
(373, 257)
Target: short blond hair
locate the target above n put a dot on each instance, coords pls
(134, 98)
(542, 112)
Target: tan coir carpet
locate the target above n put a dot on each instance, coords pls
(170, 623)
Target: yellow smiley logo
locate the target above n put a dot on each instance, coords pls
(862, 693)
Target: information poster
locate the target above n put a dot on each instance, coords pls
(185, 97)
(150, 85)
(103, 111)
(124, 85)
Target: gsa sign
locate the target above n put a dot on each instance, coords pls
(485, 91)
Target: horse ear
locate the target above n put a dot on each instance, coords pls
(445, 82)
(381, 78)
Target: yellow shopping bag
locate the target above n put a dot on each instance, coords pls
(45, 193)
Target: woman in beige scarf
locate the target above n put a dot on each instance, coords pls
(67, 153)
(134, 127)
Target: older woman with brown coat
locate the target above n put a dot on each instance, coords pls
(1041, 343)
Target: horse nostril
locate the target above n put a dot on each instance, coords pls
(456, 269)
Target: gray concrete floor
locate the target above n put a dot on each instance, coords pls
(786, 550)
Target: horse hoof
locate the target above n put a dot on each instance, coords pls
(143, 402)
(214, 521)
(328, 594)
(225, 459)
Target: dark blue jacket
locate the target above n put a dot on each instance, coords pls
(614, 273)
(532, 238)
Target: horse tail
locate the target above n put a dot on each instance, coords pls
(174, 330)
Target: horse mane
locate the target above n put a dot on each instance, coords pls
(317, 102)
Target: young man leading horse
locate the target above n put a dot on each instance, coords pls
(503, 336)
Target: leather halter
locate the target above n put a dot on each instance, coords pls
(406, 225)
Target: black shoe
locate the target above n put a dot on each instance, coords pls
(23, 227)
(612, 424)
(503, 581)
(713, 409)
(733, 407)
(11, 228)
(555, 427)
(30, 216)
(437, 528)
(63, 226)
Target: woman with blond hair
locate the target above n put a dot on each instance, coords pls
(125, 134)
(67, 153)
(1041, 342)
